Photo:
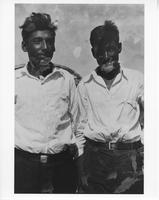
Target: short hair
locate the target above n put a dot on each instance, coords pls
(101, 32)
(37, 21)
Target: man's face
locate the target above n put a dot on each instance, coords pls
(40, 47)
(107, 51)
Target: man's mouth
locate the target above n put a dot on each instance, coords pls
(106, 60)
(44, 59)
(43, 55)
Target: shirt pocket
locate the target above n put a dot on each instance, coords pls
(130, 104)
(128, 109)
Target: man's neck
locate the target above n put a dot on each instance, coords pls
(108, 82)
(108, 77)
(40, 71)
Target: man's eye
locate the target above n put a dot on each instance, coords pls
(36, 41)
(111, 48)
(50, 41)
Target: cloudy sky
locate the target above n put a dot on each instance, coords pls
(75, 21)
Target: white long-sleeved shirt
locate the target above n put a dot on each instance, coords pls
(44, 111)
(110, 115)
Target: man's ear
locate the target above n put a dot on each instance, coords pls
(119, 47)
(23, 45)
(93, 52)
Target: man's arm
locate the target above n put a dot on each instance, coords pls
(141, 118)
(80, 122)
(140, 100)
(76, 115)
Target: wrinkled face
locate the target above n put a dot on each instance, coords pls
(40, 47)
(107, 50)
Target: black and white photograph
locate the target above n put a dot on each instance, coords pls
(80, 89)
(79, 120)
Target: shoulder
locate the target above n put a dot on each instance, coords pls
(87, 78)
(68, 72)
(19, 66)
(132, 74)
(84, 81)
(63, 71)
(19, 69)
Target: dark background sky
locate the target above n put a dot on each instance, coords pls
(75, 21)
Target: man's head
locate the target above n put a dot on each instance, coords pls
(105, 44)
(38, 33)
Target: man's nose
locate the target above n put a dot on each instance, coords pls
(44, 44)
(106, 54)
(109, 53)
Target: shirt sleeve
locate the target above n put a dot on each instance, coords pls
(140, 87)
(81, 119)
(140, 100)
(75, 115)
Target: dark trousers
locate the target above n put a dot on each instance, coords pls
(113, 171)
(56, 176)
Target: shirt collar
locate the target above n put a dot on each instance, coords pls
(55, 71)
(99, 79)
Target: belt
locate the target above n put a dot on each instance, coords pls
(44, 158)
(115, 145)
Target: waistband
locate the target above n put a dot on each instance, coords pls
(115, 145)
(44, 158)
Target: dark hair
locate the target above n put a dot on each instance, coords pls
(37, 21)
(102, 31)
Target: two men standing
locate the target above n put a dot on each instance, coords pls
(55, 123)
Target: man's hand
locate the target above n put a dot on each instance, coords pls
(73, 150)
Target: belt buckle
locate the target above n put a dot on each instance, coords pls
(43, 158)
(112, 145)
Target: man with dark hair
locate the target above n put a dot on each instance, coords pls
(110, 103)
(45, 111)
